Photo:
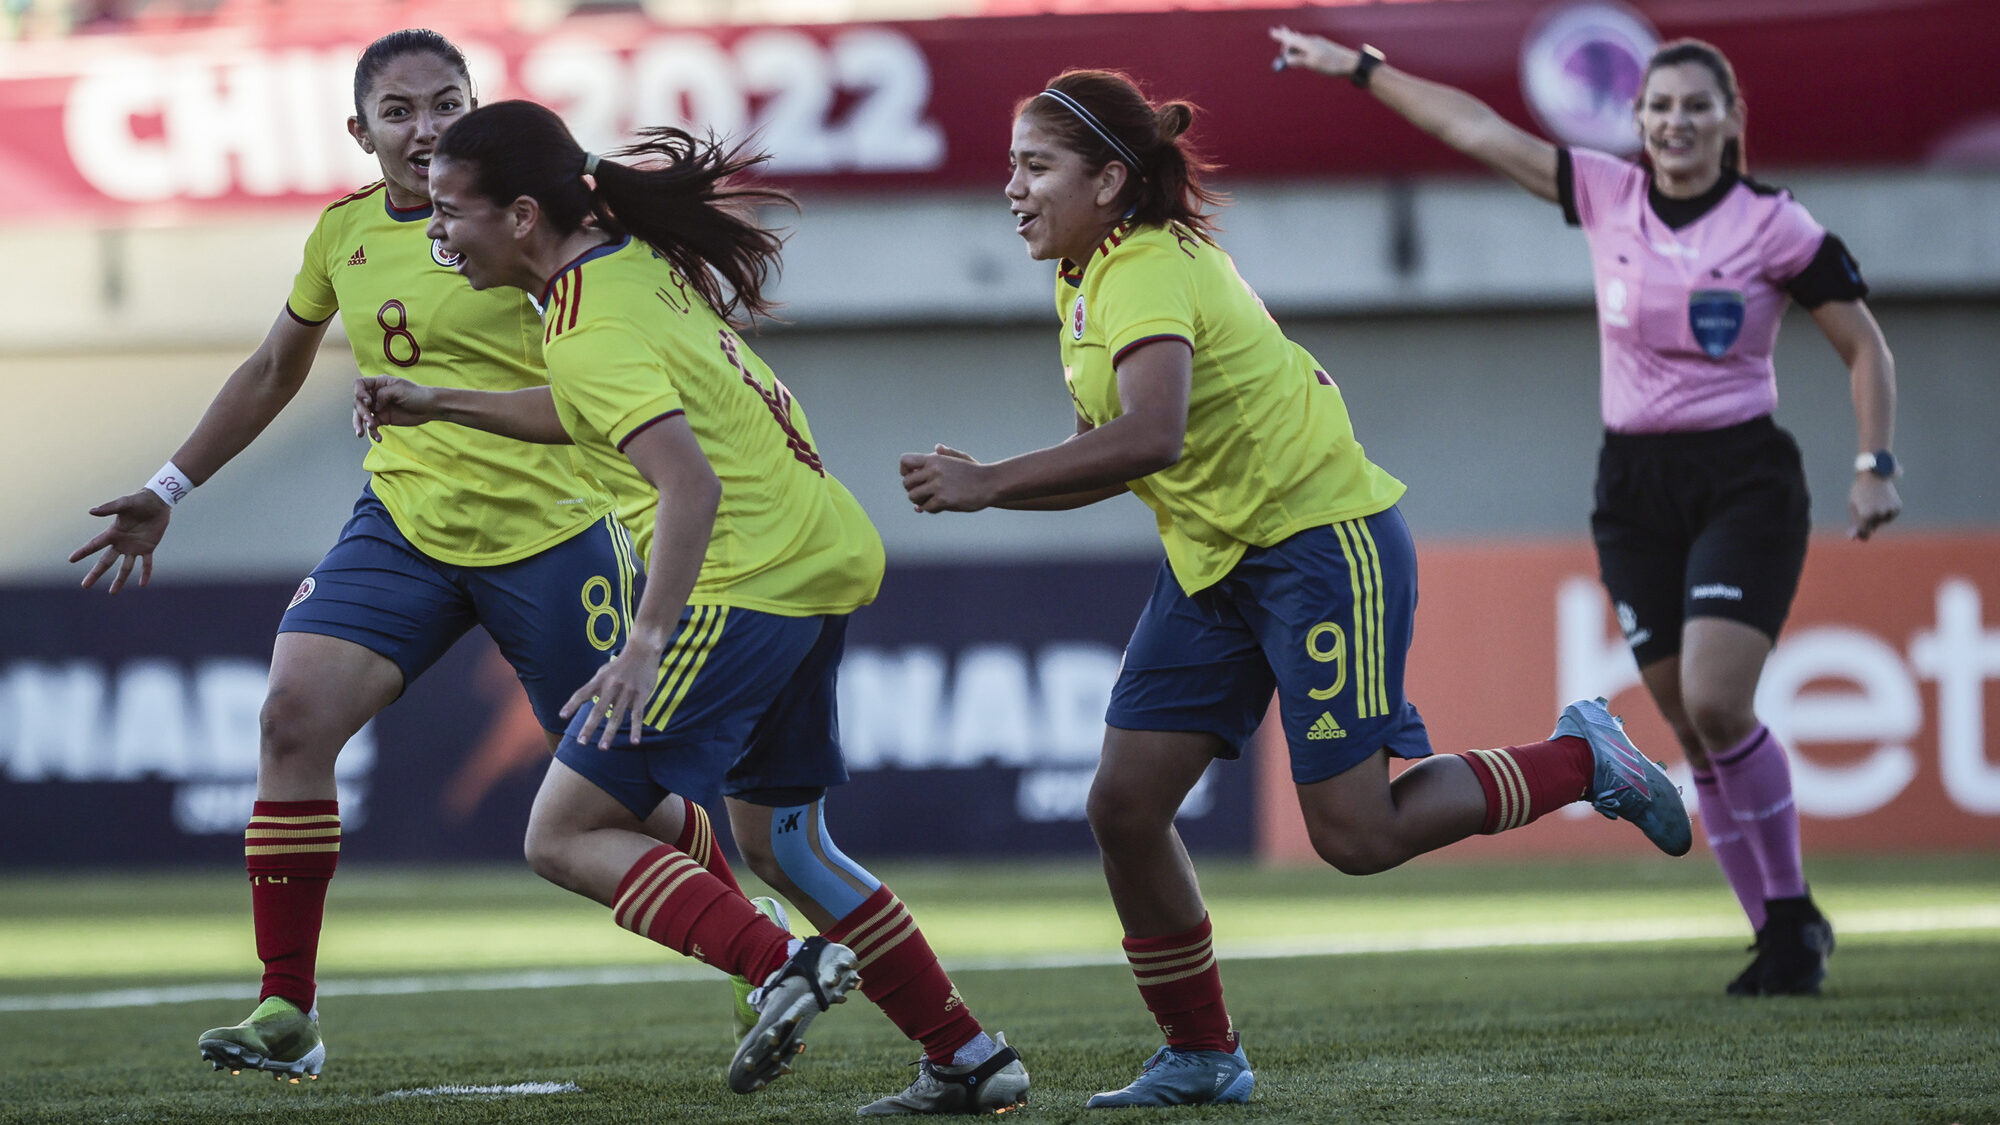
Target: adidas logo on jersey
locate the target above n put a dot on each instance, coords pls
(360, 257)
(1324, 727)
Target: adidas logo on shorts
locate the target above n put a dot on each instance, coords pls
(1324, 727)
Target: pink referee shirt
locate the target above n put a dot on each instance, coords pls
(1687, 318)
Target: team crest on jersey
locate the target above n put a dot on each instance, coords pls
(438, 255)
(305, 591)
(1076, 319)
(1716, 317)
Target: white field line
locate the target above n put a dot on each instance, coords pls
(487, 1091)
(1524, 934)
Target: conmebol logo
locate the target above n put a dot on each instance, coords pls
(1581, 66)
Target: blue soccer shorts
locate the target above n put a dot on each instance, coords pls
(745, 703)
(1323, 618)
(556, 615)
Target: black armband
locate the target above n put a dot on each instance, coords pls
(1830, 276)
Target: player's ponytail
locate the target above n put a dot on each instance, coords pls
(1103, 116)
(682, 202)
(678, 200)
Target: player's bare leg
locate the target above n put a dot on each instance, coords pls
(1142, 778)
(1362, 823)
(322, 690)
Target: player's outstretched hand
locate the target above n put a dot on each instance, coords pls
(386, 400)
(1296, 49)
(617, 693)
(137, 523)
(1871, 503)
(945, 480)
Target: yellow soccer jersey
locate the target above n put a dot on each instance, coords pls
(463, 497)
(1269, 452)
(630, 343)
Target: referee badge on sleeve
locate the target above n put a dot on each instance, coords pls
(1076, 319)
(1716, 317)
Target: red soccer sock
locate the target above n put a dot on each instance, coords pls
(697, 839)
(1182, 987)
(1524, 782)
(290, 850)
(669, 898)
(902, 976)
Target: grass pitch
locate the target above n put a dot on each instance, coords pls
(1558, 992)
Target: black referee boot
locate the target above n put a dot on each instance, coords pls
(1792, 947)
(1750, 982)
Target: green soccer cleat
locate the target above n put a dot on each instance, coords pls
(746, 1016)
(995, 1085)
(277, 1038)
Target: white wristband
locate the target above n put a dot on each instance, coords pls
(170, 484)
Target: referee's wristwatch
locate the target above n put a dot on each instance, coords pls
(1881, 462)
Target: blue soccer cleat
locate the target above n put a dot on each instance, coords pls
(1176, 1077)
(1625, 785)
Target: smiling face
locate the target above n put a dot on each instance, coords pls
(1061, 209)
(409, 105)
(1685, 119)
(488, 237)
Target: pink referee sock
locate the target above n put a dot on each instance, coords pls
(1756, 783)
(1731, 848)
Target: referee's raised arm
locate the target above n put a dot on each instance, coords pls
(1445, 112)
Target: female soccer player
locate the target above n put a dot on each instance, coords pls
(1701, 514)
(455, 528)
(1288, 566)
(754, 558)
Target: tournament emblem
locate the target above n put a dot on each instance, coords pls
(305, 591)
(1076, 320)
(1581, 67)
(1716, 316)
(438, 255)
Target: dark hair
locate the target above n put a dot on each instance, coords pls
(396, 44)
(1167, 186)
(1683, 51)
(677, 200)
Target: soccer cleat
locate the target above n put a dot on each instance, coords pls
(1750, 982)
(817, 977)
(1624, 785)
(1792, 948)
(1176, 1077)
(277, 1038)
(745, 1015)
(995, 1085)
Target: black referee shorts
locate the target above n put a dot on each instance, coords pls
(1705, 524)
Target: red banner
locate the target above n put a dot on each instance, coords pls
(1880, 686)
(223, 118)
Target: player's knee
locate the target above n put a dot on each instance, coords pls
(1353, 854)
(763, 862)
(543, 853)
(1116, 816)
(292, 731)
(1719, 724)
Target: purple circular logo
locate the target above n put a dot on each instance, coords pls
(1581, 65)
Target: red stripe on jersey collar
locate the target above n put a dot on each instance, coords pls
(589, 255)
(1071, 272)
